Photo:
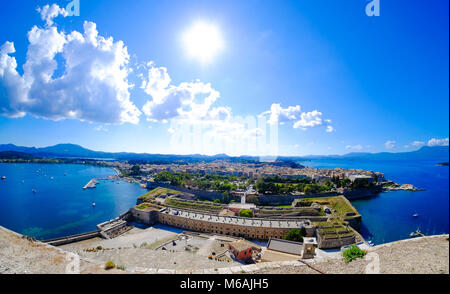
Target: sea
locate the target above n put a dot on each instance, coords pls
(61, 207)
(388, 216)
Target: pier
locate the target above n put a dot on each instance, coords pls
(91, 185)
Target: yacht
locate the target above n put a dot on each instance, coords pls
(3, 178)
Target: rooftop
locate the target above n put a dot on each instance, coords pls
(241, 221)
(285, 246)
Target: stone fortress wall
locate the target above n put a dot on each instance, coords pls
(240, 227)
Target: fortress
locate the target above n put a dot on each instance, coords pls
(251, 228)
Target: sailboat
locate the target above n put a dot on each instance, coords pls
(415, 215)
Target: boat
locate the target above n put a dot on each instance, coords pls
(51, 178)
(415, 215)
(34, 190)
(415, 234)
(93, 204)
(3, 178)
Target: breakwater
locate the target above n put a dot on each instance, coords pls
(91, 185)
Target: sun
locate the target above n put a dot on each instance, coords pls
(203, 41)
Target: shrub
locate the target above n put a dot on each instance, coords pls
(99, 247)
(245, 213)
(109, 265)
(353, 252)
(216, 201)
(121, 267)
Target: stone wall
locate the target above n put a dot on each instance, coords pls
(72, 238)
(210, 195)
(334, 242)
(149, 217)
(287, 199)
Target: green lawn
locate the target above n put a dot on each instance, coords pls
(337, 202)
(192, 205)
(157, 192)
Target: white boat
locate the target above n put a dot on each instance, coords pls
(93, 204)
(415, 215)
(3, 178)
(34, 190)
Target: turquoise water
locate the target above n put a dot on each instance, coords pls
(60, 206)
(388, 216)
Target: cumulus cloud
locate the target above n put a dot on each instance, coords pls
(48, 13)
(309, 120)
(188, 100)
(438, 142)
(301, 120)
(390, 144)
(93, 86)
(354, 147)
(280, 115)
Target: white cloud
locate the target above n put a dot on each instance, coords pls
(438, 142)
(282, 115)
(330, 129)
(302, 120)
(354, 147)
(418, 143)
(48, 13)
(309, 120)
(93, 85)
(188, 100)
(390, 144)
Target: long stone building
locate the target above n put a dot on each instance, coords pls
(251, 228)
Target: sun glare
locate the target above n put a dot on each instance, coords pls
(203, 41)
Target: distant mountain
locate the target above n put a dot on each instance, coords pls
(438, 153)
(76, 151)
(424, 153)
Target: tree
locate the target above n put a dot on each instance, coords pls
(245, 213)
(135, 170)
(295, 235)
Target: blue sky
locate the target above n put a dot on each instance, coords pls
(333, 79)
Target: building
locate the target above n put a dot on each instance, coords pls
(309, 248)
(243, 250)
(285, 246)
(249, 228)
(354, 178)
